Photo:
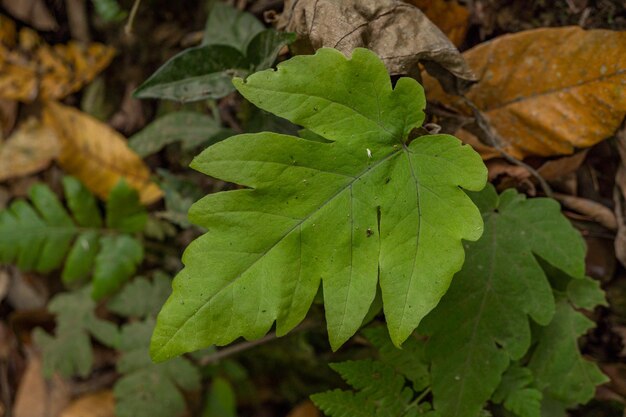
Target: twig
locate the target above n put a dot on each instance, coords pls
(243, 346)
(495, 141)
(128, 29)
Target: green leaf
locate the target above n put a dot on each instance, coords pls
(228, 26)
(190, 128)
(141, 297)
(179, 194)
(69, 350)
(109, 10)
(517, 395)
(42, 236)
(82, 203)
(199, 73)
(264, 48)
(482, 323)
(381, 390)
(408, 361)
(338, 403)
(82, 256)
(124, 211)
(324, 211)
(115, 264)
(586, 293)
(560, 371)
(147, 389)
(220, 400)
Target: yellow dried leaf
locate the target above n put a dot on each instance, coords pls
(30, 68)
(29, 149)
(97, 154)
(546, 91)
(97, 404)
(449, 16)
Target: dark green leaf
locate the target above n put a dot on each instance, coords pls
(124, 211)
(147, 389)
(141, 298)
(82, 203)
(115, 264)
(228, 26)
(482, 323)
(69, 350)
(80, 260)
(195, 74)
(220, 400)
(190, 128)
(265, 46)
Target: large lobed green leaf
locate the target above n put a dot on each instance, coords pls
(482, 323)
(368, 207)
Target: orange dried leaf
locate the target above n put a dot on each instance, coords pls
(449, 16)
(547, 91)
(30, 68)
(97, 154)
(29, 149)
(97, 404)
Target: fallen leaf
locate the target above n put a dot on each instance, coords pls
(8, 115)
(29, 149)
(596, 211)
(33, 12)
(38, 397)
(97, 154)
(305, 409)
(30, 68)
(619, 196)
(546, 91)
(397, 32)
(449, 16)
(98, 404)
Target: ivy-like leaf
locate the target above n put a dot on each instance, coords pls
(141, 297)
(147, 389)
(369, 204)
(560, 371)
(69, 350)
(44, 236)
(482, 323)
(235, 43)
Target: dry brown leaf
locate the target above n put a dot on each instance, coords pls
(619, 198)
(594, 210)
(305, 409)
(398, 32)
(33, 12)
(449, 16)
(546, 91)
(8, 116)
(38, 397)
(97, 154)
(98, 404)
(29, 149)
(30, 68)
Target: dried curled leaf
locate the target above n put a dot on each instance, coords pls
(31, 69)
(398, 32)
(546, 91)
(449, 16)
(97, 154)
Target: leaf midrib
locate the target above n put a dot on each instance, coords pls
(363, 173)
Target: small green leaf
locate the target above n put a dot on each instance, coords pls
(180, 193)
(560, 371)
(192, 129)
(109, 10)
(586, 293)
(69, 350)
(80, 260)
(124, 211)
(482, 323)
(147, 389)
(381, 391)
(220, 400)
(82, 203)
(228, 26)
(115, 264)
(265, 46)
(198, 73)
(369, 204)
(141, 297)
(516, 394)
